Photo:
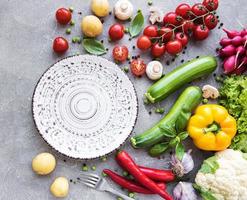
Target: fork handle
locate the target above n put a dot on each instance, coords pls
(125, 197)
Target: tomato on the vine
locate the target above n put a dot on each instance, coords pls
(158, 50)
(144, 42)
(211, 4)
(138, 67)
(63, 16)
(120, 53)
(199, 9)
(188, 27)
(60, 45)
(182, 38)
(184, 10)
(201, 32)
(151, 31)
(174, 47)
(166, 32)
(116, 31)
(210, 21)
(173, 19)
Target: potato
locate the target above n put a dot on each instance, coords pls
(60, 187)
(91, 26)
(100, 7)
(43, 163)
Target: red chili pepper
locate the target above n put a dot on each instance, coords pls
(158, 174)
(130, 185)
(127, 163)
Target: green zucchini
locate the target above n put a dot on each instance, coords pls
(175, 120)
(180, 76)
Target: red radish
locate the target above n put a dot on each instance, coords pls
(230, 64)
(237, 40)
(240, 50)
(228, 51)
(225, 41)
(231, 34)
(245, 40)
(242, 67)
(243, 32)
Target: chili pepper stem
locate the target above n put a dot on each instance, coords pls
(211, 128)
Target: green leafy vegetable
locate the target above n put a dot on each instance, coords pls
(179, 150)
(182, 120)
(93, 46)
(183, 135)
(136, 25)
(168, 131)
(205, 194)
(209, 165)
(158, 149)
(239, 142)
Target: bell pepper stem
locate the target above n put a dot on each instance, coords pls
(211, 128)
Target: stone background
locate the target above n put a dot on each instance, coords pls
(28, 28)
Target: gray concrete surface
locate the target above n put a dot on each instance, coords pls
(27, 30)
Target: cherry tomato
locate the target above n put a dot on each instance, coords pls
(182, 38)
(199, 9)
(138, 67)
(63, 16)
(184, 10)
(200, 32)
(151, 31)
(116, 32)
(174, 47)
(172, 18)
(158, 50)
(188, 27)
(210, 21)
(60, 45)
(120, 53)
(166, 32)
(211, 4)
(144, 42)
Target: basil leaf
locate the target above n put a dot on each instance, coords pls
(182, 120)
(183, 135)
(179, 150)
(174, 142)
(93, 46)
(168, 131)
(205, 194)
(209, 165)
(136, 25)
(158, 149)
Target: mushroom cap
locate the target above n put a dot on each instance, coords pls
(123, 9)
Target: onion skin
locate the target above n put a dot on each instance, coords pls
(231, 34)
(228, 51)
(225, 41)
(237, 40)
(229, 64)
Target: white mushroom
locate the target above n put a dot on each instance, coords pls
(210, 92)
(123, 9)
(155, 15)
(154, 70)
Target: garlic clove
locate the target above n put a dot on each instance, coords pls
(123, 9)
(184, 191)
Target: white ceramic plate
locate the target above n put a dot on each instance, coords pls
(85, 106)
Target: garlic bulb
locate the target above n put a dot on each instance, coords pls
(155, 15)
(123, 9)
(184, 191)
(154, 70)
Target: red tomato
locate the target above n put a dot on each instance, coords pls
(116, 31)
(166, 32)
(158, 50)
(200, 32)
(138, 67)
(144, 42)
(151, 31)
(211, 4)
(174, 47)
(210, 21)
(120, 53)
(182, 38)
(63, 16)
(184, 10)
(199, 9)
(172, 18)
(60, 45)
(188, 27)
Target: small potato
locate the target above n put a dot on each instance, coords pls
(60, 187)
(91, 26)
(100, 7)
(43, 163)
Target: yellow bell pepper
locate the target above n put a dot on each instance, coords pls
(211, 127)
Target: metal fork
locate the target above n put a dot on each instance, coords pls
(98, 183)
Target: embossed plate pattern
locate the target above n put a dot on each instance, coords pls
(84, 106)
